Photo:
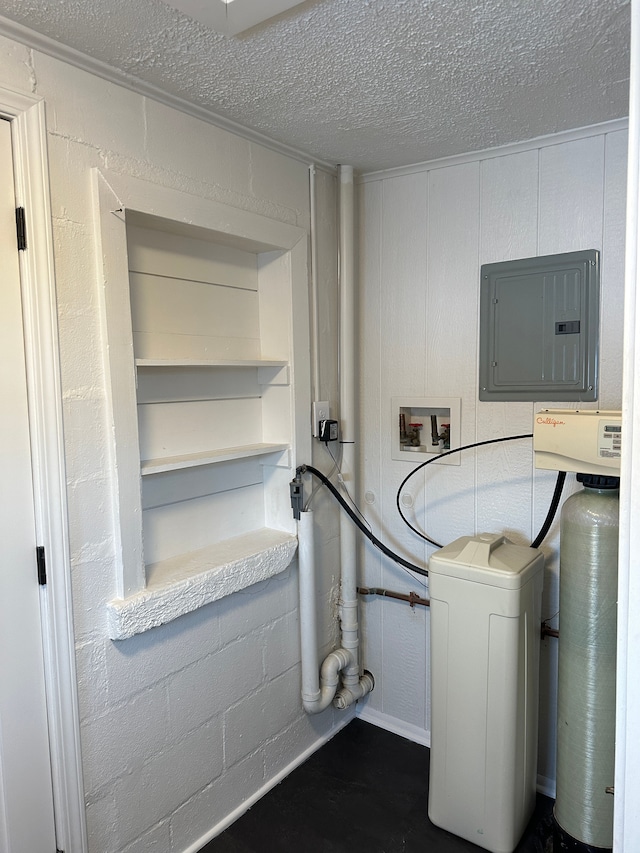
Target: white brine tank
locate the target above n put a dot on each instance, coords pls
(485, 641)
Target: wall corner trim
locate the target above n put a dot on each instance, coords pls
(559, 138)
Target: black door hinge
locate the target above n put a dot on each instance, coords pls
(41, 564)
(21, 228)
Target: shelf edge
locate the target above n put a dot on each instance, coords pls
(194, 460)
(214, 362)
(161, 603)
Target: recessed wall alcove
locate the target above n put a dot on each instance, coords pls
(206, 332)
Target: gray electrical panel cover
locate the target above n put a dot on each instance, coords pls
(539, 320)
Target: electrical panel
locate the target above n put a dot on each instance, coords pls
(539, 321)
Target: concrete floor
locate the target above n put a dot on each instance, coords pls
(363, 792)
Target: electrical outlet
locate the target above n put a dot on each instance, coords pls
(319, 412)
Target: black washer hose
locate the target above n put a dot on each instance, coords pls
(352, 515)
(553, 508)
(555, 500)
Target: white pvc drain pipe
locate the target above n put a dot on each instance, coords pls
(319, 689)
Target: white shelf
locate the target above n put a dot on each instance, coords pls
(199, 362)
(227, 553)
(207, 457)
(200, 381)
(189, 581)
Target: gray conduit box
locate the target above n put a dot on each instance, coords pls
(539, 320)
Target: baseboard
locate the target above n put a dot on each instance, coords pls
(226, 822)
(392, 724)
(544, 785)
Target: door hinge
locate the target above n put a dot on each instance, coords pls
(41, 564)
(21, 229)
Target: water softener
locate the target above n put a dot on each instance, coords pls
(588, 443)
(587, 661)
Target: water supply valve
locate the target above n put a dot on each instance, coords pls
(445, 436)
(414, 434)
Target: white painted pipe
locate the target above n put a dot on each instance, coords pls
(354, 687)
(319, 689)
(318, 685)
(348, 591)
(315, 328)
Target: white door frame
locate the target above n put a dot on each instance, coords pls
(627, 777)
(27, 116)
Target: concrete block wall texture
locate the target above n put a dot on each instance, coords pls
(424, 234)
(181, 725)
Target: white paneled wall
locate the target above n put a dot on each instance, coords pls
(424, 234)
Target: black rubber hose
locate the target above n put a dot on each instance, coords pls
(352, 515)
(555, 500)
(436, 459)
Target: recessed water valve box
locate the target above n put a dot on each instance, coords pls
(424, 428)
(539, 322)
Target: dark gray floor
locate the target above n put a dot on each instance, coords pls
(363, 792)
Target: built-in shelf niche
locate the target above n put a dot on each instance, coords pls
(200, 303)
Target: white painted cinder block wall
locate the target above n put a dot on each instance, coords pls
(424, 234)
(184, 723)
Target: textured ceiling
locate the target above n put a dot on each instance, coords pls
(371, 83)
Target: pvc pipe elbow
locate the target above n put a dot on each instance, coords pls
(350, 695)
(332, 665)
(317, 704)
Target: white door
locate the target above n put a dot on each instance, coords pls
(26, 799)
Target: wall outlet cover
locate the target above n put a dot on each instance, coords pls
(319, 412)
